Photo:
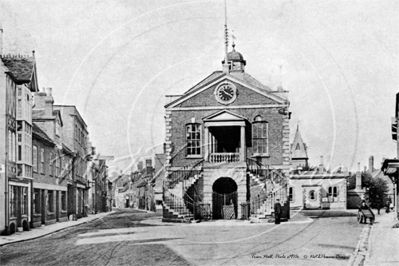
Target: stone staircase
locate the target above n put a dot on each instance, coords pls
(255, 181)
(265, 208)
(182, 186)
(175, 208)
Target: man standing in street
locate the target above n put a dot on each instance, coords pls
(277, 212)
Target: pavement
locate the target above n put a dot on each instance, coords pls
(48, 229)
(383, 241)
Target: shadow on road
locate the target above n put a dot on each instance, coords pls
(317, 214)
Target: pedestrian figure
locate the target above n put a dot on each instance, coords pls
(387, 206)
(378, 207)
(277, 212)
(378, 204)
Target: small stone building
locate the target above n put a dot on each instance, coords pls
(318, 190)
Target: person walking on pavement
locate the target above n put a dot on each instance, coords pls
(387, 206)
(277, 212)
(378, 204)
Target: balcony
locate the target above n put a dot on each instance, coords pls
(225, 157)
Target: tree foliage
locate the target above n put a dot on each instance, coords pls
(366, 178)
(377, 187)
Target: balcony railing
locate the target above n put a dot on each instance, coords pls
(226, 157)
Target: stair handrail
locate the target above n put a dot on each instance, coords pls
(184, 173)
(257, 168)
(176, 203)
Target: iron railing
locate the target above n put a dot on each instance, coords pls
(184, 173)
(258, 169)
(276, 186)
(177, 204)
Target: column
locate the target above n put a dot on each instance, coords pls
(206, 144)
(242, 146)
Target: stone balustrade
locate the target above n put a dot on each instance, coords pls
(224, 157)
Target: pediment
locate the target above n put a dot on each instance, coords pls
(224, 116)
(248, 94)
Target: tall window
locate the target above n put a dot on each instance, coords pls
(42, 160)
(19, 153)
(57, 166)
(332, 192)
(291, 194)
(193, 138)
(24, 203)
(63, 201)
(10, 147)
(34, 157)
(13, 200)
(36, 201)
(50, 168)
(259, 136)
(312, 195)
(50, 203)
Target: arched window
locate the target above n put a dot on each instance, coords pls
(312, 195)
(260, 136)
(193, 139)
(332, 192)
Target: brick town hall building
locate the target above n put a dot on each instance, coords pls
(227, 147)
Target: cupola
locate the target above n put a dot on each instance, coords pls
(235, 60)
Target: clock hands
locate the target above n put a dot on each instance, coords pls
(226, 93)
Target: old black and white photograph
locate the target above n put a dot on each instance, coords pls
(199, 132)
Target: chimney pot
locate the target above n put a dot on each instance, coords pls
(49, 91)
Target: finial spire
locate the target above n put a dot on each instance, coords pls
(226, 37)
(233, 38)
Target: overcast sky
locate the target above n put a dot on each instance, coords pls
(116, 61)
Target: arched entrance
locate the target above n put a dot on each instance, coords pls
(224, 193)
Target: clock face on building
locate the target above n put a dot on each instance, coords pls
(226, 93)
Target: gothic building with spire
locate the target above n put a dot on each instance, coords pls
(227, 145)
(299, 152)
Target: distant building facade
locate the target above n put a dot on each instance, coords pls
(51, 160)
(75, 137)
(18, 80)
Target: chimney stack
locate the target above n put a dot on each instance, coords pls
(49, 91)
(321, 168)
(358, 178)
(371, 164)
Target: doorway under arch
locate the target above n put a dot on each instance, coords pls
(224, 193)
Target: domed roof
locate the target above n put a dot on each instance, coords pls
(235, 56)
